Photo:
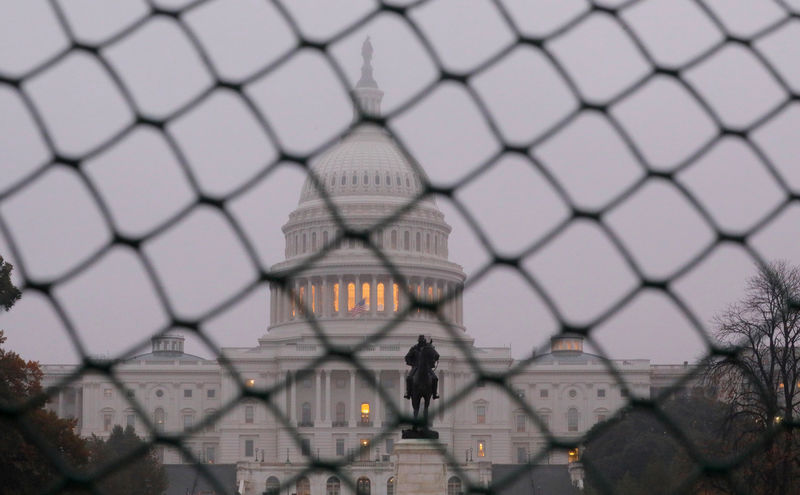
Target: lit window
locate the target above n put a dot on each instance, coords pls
(294, 303)
(107, 418)
(396, 297)
(313, 298)
(572, 419)
(364, 442)
(572, 455)
(379, 295)
(250, 382)
(390, 483)
(187, 393)
(336, 298)
(481, 448)
(351, 296)
(249, 414)
(159, 419)
(481, 413)
(365, 412)
(601, 393)
(365, 294)
(107, 393)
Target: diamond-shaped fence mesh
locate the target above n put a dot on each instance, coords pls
(107, 107)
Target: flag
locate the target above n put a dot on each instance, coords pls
(360, 307)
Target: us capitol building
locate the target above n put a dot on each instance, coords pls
(337, 412)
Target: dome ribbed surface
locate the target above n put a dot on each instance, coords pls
(366, 163)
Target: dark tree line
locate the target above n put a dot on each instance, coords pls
(749, 433)
(37, 447)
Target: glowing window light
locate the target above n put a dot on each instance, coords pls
(336, 298)
(351, 296)
(396, 301)
(365, 412)
(313, 298)
(250, 382)
(365, 294)
(380, 295)
(572, 455)
(481, 448)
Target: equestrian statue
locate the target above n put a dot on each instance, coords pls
(421, 384)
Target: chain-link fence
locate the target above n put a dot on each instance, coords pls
(678, 103)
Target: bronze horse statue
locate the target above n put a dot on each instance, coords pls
(423, 385)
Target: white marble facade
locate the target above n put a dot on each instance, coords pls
(335, 410)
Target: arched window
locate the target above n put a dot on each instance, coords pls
(355, 179)
(159, 418)
(406, 240)
(418, 244)
(377, 180)
(362, 486)
(313, 298)
(335, 298)
(273, 486)
(351, 296)
(365, 294)
(394, 239)
(396, 297)
(333, 486)
(380, 294)
(305, 413)
(340, 412)
(303, 486)
(390, 486)
(366, 179)
(454, 485)
(388, 180)
(572, 419)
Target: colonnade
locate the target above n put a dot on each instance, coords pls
(324, 407)
(369, 295)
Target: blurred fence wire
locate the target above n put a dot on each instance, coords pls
(780, 74)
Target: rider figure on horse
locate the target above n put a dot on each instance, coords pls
(412, 359)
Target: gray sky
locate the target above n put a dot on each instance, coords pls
(56, 224)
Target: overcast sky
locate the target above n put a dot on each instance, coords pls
(49, 210)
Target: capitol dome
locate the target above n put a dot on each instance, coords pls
(376, 189)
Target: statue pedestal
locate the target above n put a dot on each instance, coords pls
(421, 470)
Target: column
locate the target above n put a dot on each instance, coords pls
(342, 297)
(373, 296)
(323, 298)
(318, 398)
(328, 404)
(293, 401)
(377, 414)
(352, 397)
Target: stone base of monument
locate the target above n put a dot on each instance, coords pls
(421, 469)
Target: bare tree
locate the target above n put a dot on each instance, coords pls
(760, 378)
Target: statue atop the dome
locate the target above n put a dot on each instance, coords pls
(421, 384)
(366, 81)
